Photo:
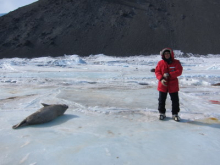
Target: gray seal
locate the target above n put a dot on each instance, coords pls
(43, 115)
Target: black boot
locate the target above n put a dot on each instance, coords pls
(176, 117)
(162, 116)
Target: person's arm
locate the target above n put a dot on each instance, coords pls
(158, 73)
(178, 70)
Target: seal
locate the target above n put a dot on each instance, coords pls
(43, 115)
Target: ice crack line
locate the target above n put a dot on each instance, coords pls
(51, 94)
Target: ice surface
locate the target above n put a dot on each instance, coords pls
(112, 117)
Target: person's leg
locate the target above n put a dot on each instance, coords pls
(162, 102)
(175, 103)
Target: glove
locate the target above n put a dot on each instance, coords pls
(163, 81)
(166, 75)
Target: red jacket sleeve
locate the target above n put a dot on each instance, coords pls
(178, 70)
(158, 72)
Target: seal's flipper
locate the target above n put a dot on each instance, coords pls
(45, 105)
(23, 123)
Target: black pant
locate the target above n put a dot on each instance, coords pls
(162, 102)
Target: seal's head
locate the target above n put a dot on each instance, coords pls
(59, 108)
(65, 106)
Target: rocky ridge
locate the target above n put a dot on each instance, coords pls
(111, 27)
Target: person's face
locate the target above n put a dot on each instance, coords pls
(167, 55)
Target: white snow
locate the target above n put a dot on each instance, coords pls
(112, 117)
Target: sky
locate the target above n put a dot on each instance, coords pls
(10, 5)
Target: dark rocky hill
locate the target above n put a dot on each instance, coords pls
(111, 27)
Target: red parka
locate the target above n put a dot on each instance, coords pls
(174, 69)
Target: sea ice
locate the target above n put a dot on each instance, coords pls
(112, 116)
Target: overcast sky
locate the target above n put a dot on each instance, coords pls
(10, 5)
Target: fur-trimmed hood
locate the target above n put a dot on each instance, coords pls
(167, 49)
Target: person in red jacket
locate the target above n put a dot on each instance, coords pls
(167, 71)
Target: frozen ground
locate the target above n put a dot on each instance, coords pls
(112, 117)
